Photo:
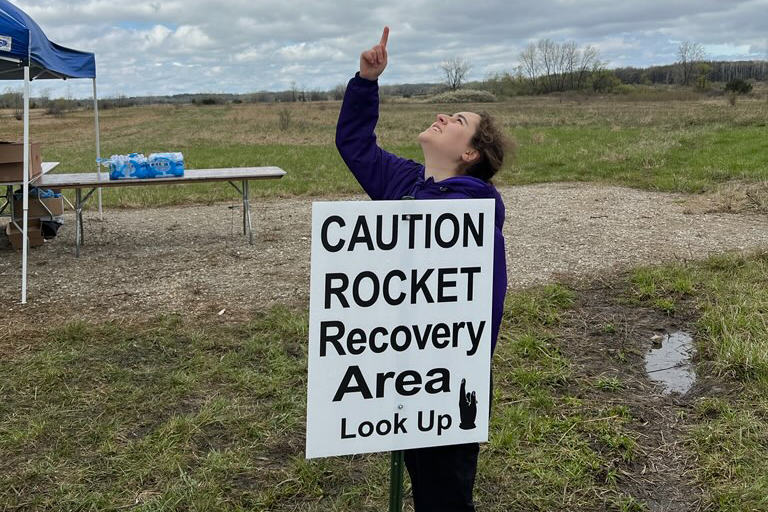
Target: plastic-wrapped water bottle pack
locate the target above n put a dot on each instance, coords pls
(137, 166)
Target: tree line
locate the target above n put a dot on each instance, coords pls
(712, 71)
(548, 66)
(543, 67)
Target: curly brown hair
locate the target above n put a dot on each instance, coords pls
(491, 144)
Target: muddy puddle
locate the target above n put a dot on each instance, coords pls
(669, 362)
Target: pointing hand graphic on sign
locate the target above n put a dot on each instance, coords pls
(467, 407)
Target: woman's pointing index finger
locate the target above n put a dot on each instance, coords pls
(384, 36)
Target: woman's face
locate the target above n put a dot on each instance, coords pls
(450, 135)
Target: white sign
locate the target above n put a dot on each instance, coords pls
(5, 43)
(400, 325)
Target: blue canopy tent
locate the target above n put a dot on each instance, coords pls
(27, 54)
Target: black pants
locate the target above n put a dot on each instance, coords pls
(442, 477)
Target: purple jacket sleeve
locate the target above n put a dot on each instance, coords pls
(381, 174)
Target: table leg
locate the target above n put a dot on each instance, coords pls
(8, 200)
(14, 214)
(78, 220)
(82, 227)
(247, 211)
(245, 203)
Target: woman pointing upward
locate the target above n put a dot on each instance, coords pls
(462, 152)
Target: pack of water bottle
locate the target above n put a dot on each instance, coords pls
(137, 166)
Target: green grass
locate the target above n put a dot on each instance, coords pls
(675, 159)
(681, 146)
(174, 414)
(97, 416)
(732, 297)
(170, 415)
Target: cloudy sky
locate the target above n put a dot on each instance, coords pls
(154, 47)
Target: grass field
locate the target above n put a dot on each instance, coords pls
(172, 413)
(681, 146)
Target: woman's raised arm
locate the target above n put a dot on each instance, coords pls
(381, 174)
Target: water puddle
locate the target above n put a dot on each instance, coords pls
(669, 362)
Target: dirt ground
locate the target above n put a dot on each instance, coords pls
(194, 260)
(661, 474)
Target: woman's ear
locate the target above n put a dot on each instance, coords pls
(470, 156)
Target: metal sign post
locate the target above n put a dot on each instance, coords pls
(396, 481)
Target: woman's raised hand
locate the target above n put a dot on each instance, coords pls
(373, 61)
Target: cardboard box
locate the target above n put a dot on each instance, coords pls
(12, 161)
(37, 207)
(34, 232)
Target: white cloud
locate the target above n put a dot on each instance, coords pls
(727, 49)
(153, 37)
(154, 47)
(191, 38)
(308, 51)
(214, 71)
(263, 52)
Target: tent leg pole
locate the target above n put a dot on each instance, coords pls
(98, 143)
(25, 188)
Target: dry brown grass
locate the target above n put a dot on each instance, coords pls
(732, 197)
(314, 122)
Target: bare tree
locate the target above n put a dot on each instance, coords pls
(703, 69)
(454, 71)
(570, 58)
(338, 92)
(690, 54)
(13, 98)
(529, 65)
(764, 64)
(550, 66)
(547, 57)
(589, 58)
(45, 95)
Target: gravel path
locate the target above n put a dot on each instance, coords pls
(194, 259)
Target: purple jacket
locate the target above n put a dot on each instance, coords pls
(386, 176)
